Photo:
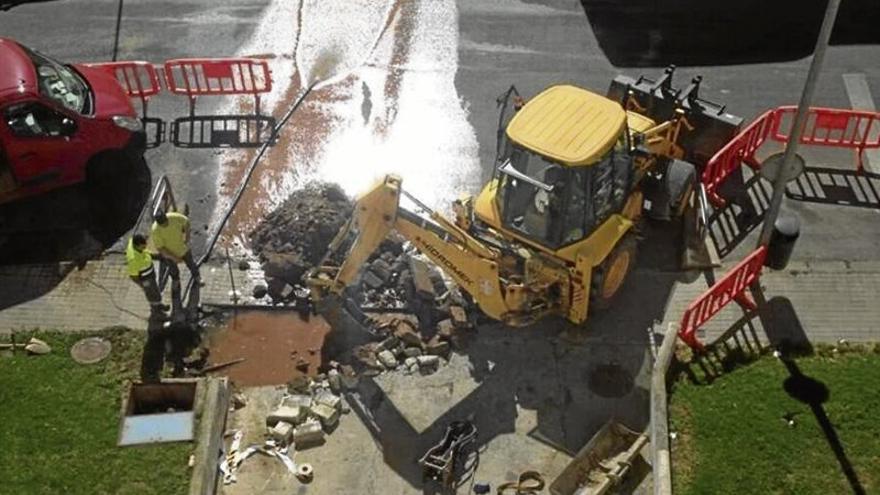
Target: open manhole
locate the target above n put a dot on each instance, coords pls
(610, 381)
(158, 412)
(90, 350)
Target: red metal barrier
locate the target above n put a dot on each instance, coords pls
(138, 79)
(731, 287)
(226, 76)
(843, 128)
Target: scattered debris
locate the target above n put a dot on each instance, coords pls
(439, 461)
(305, 472)
(218, 366)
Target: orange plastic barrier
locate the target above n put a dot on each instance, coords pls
(138, 79)
(731, 287)
(227, 76)
(835, 127)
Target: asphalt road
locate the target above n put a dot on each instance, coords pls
(530, 44)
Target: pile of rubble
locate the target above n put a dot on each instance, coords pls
(294, 237)
(311, 408)
(408, 347)
(415, 315)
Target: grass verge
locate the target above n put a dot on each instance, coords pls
(732, 436)
(61, 422)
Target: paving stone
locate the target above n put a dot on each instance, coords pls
(308, 434)
(292, 415)
(328, 416)
(282, 432)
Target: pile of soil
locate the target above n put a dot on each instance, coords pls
(295, 236)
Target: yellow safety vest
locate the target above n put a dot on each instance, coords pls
(171, 236)
(140, 263)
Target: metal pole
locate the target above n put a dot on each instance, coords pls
(800, 119)
(116, 37)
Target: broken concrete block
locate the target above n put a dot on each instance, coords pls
(421, 277)
(335, 381)
(389, 343)
(414, 368)
(292, 415)
(328, 399)
(407, 334)
(308, 434)
(428, 361)
(299, 384)
(458, 316)
(282, 432)
(381, 269)
(349, 377)
(410, 362)
(445, 329)
(328, 416)
(387, 359)
(371, 280)
(437, 347)
(298, 400)
(412, 352)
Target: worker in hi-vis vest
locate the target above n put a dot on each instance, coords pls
(139, 263)
(170, 237)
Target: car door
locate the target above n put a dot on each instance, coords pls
(40, 147)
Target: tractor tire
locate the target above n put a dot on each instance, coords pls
(681, 176)
(609, 276)
(118, 187)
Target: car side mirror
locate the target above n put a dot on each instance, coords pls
(68, 127)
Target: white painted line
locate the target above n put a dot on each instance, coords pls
(860, 99)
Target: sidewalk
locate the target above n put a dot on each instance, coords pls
(833, 300)
(61, 297)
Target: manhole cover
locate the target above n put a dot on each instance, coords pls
(90, 350)
(610, 380)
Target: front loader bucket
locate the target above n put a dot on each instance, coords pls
(713, 127)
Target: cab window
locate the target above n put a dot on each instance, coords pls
(33, 120)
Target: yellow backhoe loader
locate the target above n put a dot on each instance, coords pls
(552, 231)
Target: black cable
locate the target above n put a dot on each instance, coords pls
(118, 24)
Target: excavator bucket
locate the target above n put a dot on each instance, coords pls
(659, 100)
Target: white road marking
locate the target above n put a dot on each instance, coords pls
(860, 99)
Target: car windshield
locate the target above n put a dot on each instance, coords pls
(532, 189)
(60, 83)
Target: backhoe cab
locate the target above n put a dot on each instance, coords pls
(551, 232)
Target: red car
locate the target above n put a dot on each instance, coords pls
(63, 124)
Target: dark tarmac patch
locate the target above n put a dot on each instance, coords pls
(610, 381)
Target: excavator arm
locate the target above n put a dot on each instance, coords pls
(472, 264)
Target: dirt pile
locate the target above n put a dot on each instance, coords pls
(295, 236)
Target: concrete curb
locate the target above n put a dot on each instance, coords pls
(213, 404)
(662, 471)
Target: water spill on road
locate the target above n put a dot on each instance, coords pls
(390, 104)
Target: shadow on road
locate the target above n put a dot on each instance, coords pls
(656, 33)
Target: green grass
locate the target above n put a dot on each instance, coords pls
(731, 437)
(60, 423)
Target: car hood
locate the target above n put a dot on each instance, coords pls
(110, 99)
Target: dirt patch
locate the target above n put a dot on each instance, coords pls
(277, 347)
(294, 237)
